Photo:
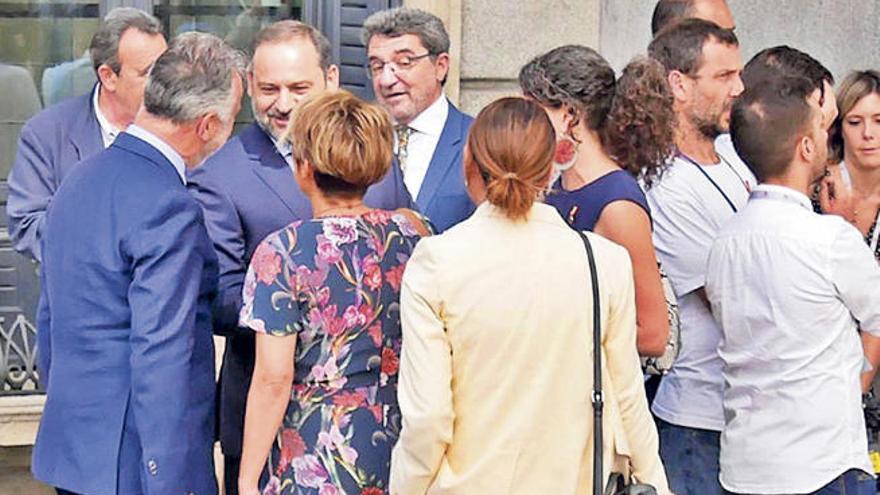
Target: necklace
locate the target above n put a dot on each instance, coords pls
(717, 187)
(339, 209)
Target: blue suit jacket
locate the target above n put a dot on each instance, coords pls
(49, 145)
(443, 197)
(248, 191)
(124, 331)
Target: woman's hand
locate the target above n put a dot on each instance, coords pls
(248, 491)
(835, 198)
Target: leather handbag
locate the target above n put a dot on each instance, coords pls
(617, 483)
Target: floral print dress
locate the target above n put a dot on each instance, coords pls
(335, 283)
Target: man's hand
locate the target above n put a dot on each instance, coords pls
(835, 197)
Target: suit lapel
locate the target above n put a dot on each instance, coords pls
(268, 164)
(85, 133)
(444, 159)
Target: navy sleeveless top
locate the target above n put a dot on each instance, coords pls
(581, 207)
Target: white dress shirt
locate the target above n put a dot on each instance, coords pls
(426, 130)
(788, 288)
(108, 130)
(167, 151)
(688, 211)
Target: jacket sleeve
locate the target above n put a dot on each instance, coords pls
(227, 235)
(31, 186)
(425, 382)
(168, 262)
(625, 372)
(44, 333)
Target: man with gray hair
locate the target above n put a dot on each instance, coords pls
(128, 275)
(53, 141)
(408, 52)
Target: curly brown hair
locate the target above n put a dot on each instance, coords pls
(633, 115)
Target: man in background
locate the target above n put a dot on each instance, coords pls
(53, 141)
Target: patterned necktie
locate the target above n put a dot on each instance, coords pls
(403, 134)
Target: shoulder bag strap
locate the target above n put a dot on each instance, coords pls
(597, 398)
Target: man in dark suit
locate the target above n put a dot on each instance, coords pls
(128, 276)
(53, 141)
(408, 53)
(248, 191)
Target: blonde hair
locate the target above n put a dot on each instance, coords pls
(512, 143)
(346, 140)
(856, 85)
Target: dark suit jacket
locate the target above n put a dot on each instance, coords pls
(49, 145)
(443, 197)
(248, 191)
(126, 349)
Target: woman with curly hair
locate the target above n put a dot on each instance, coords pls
(322, 296)
(610, 133)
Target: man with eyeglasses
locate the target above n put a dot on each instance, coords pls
(247, 191)
(408, 52)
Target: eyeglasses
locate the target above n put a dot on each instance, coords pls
(399, 64)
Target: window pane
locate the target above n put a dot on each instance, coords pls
(43, 60)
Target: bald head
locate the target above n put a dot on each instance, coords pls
(668, 12)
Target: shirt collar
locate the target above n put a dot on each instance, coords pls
(782, 192)
(167, 151)
(283, 146)
(107, 129)
(433, 118)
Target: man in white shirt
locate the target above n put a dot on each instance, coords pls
(790, 288)
(699, 192)
(53, 141)
(408, 52)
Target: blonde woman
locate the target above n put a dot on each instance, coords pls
(322, 296)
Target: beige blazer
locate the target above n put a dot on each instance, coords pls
(496, 367)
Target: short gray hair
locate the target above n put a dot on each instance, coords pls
(405, 20)
(104, 48)
(193, 77)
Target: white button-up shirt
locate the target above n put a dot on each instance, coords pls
(426, 130)
(789, 289)
(108, 130)
(167, 151)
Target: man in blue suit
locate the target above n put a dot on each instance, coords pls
(248, 191)
(53, 141)
(124, 329)
(408, 53)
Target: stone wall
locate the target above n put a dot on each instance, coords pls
(842, 34)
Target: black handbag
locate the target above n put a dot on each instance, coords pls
(617, 483)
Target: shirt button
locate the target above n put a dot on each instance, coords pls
(154, 469)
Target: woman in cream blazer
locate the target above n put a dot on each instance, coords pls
(496, 368)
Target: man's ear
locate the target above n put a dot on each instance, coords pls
(332, 77)
(679, 84)
(441, 67)
(250, 83)
(807, 149)
(207, 126)
(107, 77)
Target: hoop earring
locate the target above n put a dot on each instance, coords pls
(566, 154)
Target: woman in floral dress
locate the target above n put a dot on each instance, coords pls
(323, 297)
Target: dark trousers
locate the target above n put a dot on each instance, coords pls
(231, 466)
(852, 482)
